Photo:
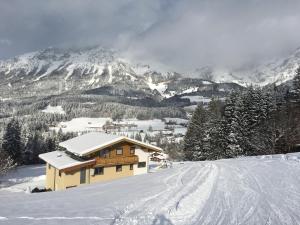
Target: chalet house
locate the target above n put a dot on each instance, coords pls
(95, 157)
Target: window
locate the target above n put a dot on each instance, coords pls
(98, 171)
(141, 164)
(120, 151)
(59, 173)
(82, 176)
(104, 153)
(132, 150)
(49, 166)
(131, 166)
(118, 168)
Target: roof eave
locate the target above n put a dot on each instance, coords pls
(154, 148)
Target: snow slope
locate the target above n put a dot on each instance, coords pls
(255, 190)
(23, 178)
(54, 109)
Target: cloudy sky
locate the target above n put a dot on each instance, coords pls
(183, 34)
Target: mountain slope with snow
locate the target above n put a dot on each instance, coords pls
(55, 71)
(276, 71)
(250, 191)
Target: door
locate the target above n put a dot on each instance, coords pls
(82, 176)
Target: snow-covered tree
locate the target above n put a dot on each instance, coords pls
(232, 126)
(138, 137)
(12, 144)
(6, 162)
(33, 148)
(195, 140)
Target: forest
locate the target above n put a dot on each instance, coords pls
(255, 121)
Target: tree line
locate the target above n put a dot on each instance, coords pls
(22, 143)
(255, 121)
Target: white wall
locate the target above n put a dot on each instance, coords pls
(143, 157)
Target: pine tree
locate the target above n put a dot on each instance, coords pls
(12, 144)
(50, 144)
(293, 113)
(196, 136)
(33, 148)
(218, 139)
(138, 137)
(216, 135)
(232, 127)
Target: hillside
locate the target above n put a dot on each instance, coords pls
(254, 190)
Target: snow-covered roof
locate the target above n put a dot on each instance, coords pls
(161, 156)
(93, 141)
(61, 160)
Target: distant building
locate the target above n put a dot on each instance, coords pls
(158, 157)
(95, 157)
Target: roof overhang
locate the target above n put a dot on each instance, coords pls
(149, 147)
(61, 161)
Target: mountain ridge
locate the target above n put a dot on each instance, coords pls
(58, 70)
(55, 70)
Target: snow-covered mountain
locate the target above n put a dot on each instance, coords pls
(56, 71)
(96, 70)
(275, 71)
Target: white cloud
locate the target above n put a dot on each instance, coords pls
(179, 34)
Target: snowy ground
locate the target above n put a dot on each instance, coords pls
(197, 99)
(84, 124)
(263, 190)
(54, 109)
(23, 178)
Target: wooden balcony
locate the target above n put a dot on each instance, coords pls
(117, 160)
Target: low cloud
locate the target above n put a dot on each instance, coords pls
(5, 42)
(179, 34)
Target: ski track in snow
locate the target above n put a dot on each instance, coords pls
(242, 191)
(59, 218)
(179, 201)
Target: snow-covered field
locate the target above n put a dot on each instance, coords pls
(255, 190)
(84, 124)
(54, 109)
(197, 99)
(23, 178)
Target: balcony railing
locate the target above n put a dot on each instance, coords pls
(117, 160)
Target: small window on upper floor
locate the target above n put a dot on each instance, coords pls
(119, 151)
(104, 153)
(49, 166)
(132, 150)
